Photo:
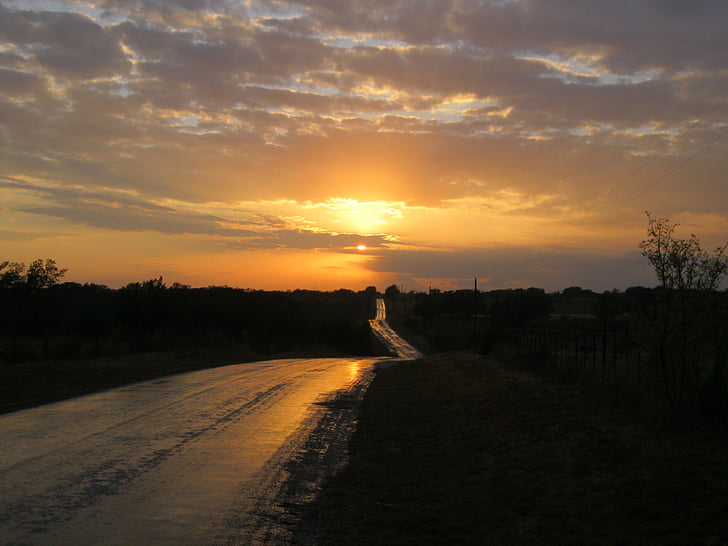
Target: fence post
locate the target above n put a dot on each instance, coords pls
(604, 355)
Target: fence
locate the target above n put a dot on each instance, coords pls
(601, 353)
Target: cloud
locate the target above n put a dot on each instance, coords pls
(124, 212)
(141, 114)
(549, 268)
(66, 44)
(21, 236)
(312, 240)
(18, 82)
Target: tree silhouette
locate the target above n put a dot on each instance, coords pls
(677, 326)
(392, 291)
(44, 274)
(11, 274)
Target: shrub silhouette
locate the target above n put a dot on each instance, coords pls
(687, 354)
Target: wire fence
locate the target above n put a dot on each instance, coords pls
(601, 354)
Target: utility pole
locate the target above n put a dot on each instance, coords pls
(475, 307)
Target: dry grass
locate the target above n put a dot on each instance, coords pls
(456, 450)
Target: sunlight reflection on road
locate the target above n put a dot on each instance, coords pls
(189, 458)
(398, 346)
(170, 461)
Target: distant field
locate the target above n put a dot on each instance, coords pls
(457, 450)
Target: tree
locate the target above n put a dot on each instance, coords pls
(392, 291)
(43, 274)
(676, 328)
(681, 264)
(576, 292)
(11, 274)
(371, 291)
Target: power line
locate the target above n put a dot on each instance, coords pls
(675, 168)
(661, 153)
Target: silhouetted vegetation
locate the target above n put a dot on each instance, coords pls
(684, 328)
(464, 319)
(626, 341)
(40, 274)
(70, 320)
(50, 330)
(666, 346)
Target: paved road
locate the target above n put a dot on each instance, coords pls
(205, 457)
(215, 456)
(389, 337)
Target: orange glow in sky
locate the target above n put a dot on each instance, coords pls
(268, 144)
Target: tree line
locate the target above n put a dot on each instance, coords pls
(39, 274)
(49, 319)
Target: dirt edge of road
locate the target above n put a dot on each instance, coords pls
(289, 485)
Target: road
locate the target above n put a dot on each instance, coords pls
(206, 457)
(217, 456)
(389, 337)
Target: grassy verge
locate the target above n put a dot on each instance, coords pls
(455, 450)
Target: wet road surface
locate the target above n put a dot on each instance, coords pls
(398, 346)
(207, 457)
(218, 456)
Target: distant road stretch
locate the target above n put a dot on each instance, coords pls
(206, 457)
(388, 337)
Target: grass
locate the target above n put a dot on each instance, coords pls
(453, 449)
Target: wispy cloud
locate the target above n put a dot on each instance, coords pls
(159, 116)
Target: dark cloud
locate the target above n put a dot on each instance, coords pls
(166, 5)
(550, 268)
(266, 97)
(11, 60)
(66, 44)
(18, 82)
(120, 212)
(311, 240)
(141, 219)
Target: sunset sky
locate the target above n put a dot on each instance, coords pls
(263, 144)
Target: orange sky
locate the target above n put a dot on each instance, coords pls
(257, 144)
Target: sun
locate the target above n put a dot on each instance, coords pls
(362, 247)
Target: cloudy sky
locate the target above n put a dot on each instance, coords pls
(264, 144)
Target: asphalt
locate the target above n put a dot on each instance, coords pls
(218, 456)
(206, 457)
